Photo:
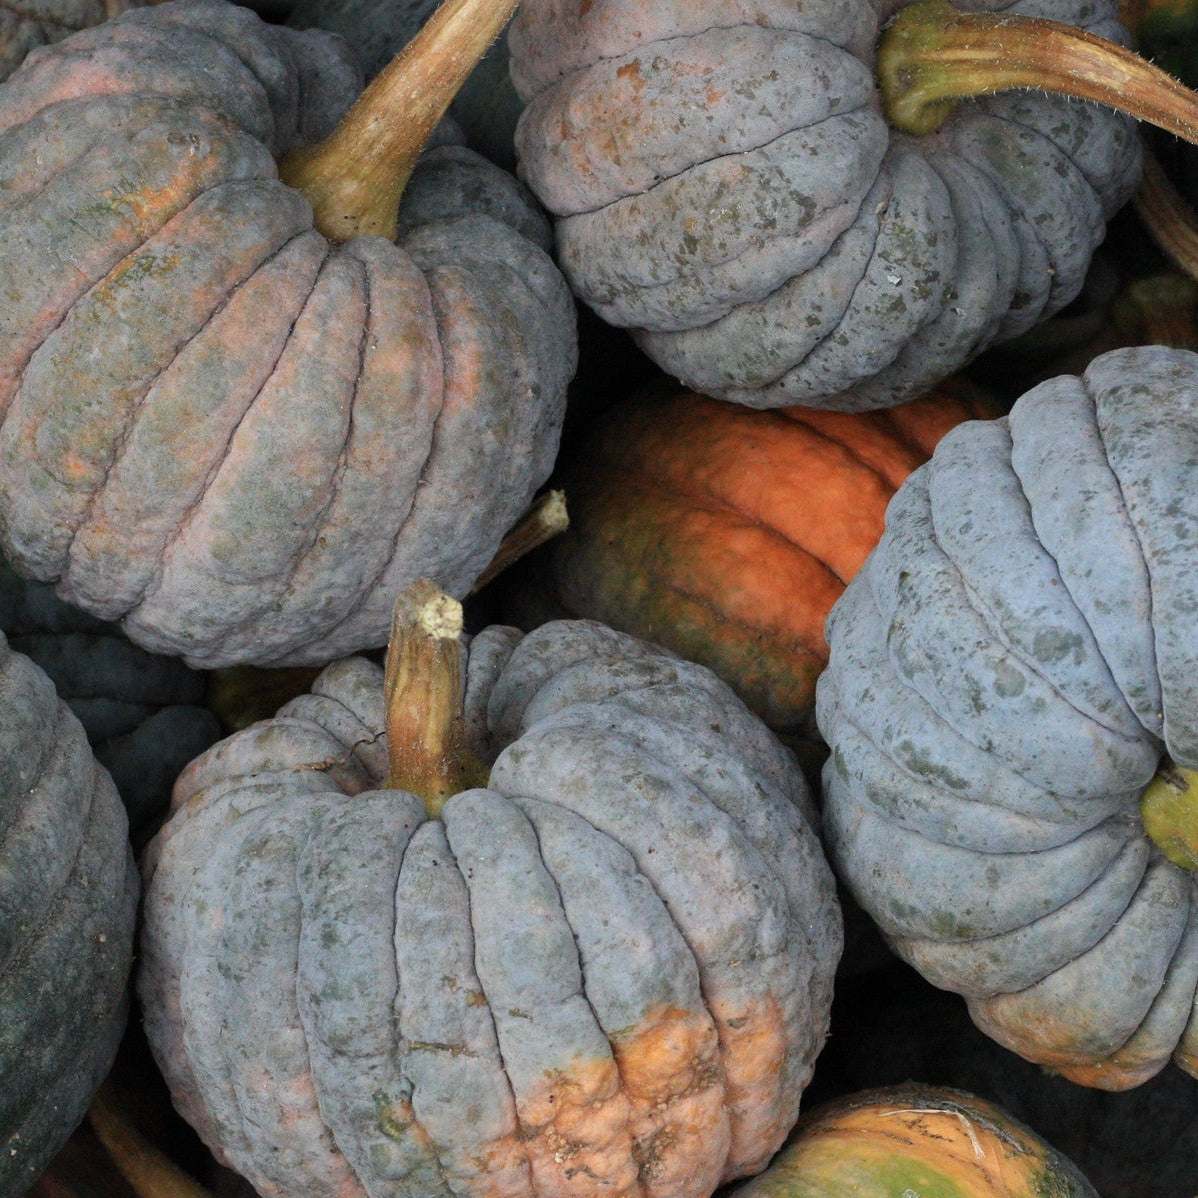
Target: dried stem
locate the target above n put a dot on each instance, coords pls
(546, 519)
(1165, 213)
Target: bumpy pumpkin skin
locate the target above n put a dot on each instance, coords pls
(607, 973)
(1006, 672)
(727, 187)
(727, 535)
(143, 714)
(24, 27)
(68, 895)
(232, 437)
(933, 1142)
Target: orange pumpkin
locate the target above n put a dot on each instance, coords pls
(727, 534)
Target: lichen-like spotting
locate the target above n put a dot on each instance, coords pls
(727, 185)
(68, 897)
(239, 439)
(605, 971)
(917, 1141)
(1010, 671)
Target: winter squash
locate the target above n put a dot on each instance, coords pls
(778, 227)
(68, 894)
(234, 436)
(143, 714)
(589, 950)
(913, 1140)
(726, 535)
(486, 107)
(23, 29)
(1011, 711)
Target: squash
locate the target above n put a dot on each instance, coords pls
(916, 1141)
(486, 107)
(726, 535)
(68, 896)
(588, 948)
(779, 227)
(143, 714)
(1011, 708)
(221, 430)
(24, 28)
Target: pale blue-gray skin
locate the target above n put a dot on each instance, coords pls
(727, 187)
(68, 895)
(487, 107)
(233, 438)
(142, 713)
(25, 25)
(1006, 672)
(438, 986)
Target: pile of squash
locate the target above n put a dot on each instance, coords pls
(737, 737)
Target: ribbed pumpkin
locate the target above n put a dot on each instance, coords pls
(1012, 708)
(917, 1141)
(143, 714)
(221, 429)
(726, 534)
(580, 943)
(778, 225)
(68, 893)
(24, 27)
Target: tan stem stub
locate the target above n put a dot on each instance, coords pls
(355, 177)
(1169, 809)
(546, 519)
(423, 693)
(149, 1172)
(1172, 223)
(931, 56)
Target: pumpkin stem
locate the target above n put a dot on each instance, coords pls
(1168, 218)
(931, 56)
(1169, 809)
(422, 690)
(355, 177)
(149, 1172)
(546, 519)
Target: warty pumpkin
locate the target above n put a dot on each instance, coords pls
(777, 226)
(143, 714)
(725, 534)
(1011, 708)
(24, 27)
(68, 896)
(588, 950)
(915, 1141)
(221, 429)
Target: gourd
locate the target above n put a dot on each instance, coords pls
(68, 896)
(550, 920)
(25, 27)
(486, 107)
(1013, 724)
(726, 535)
(143, 715)
(934, 1142)
(234, 431)
(779, 227)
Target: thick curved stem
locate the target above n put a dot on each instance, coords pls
(1169, 809)
(1172, 223)
(931, 56)
(423, 692)
(356, 176)
(546, 519)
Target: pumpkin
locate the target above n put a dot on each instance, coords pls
(916, 1141)
(24, 28)
(777, 227)
(1011, 711)
(219, 429)
(588, 951)
(1141, 1143)
(486, 107)
(726, 535)
(143, 714)
(68, 895)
